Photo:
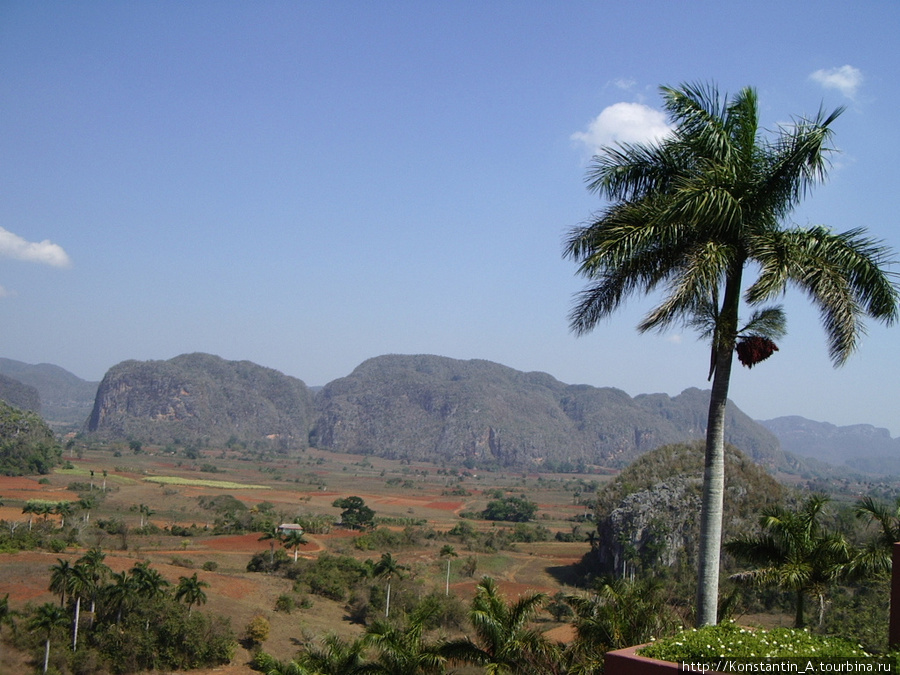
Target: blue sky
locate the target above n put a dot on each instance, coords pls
(309, 184)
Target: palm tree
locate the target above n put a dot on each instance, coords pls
(504, 642)
(86, 504)
(64, 510)
(145, 512)
(47, 618)
(334, 657)
(688, 215)
(190, 589)
(387, 568)
(273, 534)
(79, 586)
(619, 614)
(402, 650)
(795, 552)
(59, 579)
(96, 569)
(294, 539)
(149, 584)
(119, 594)
(448, 552)
(876, 556)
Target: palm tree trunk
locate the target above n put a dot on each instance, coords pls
(799, 619)
(448, 578)
(387, 605)
(714, 463)
(46, 654)
(75, 625)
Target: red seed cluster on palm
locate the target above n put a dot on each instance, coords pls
(751, 350)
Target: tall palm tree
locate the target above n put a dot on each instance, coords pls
(448, 552)
(294, 540)
(79, 586)
(387, 568)
(795, 552)
(505, 643)
(689, 215)
(120, 594)
(48, 618)
(59, 579)
(149, 584)
(96, 569)
(190, 589)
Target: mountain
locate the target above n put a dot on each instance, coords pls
(201, 398)
(19, 395)
(861, 447)
(65, 399)
(479, 412)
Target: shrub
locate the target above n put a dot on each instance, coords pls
(728, 639)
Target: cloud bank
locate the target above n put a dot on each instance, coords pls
(845, 79)
(623, 123)
(46, 252)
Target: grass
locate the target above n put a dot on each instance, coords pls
(201, 482)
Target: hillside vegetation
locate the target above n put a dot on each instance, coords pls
(27, 445)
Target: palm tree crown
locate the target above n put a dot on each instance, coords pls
(687, 216)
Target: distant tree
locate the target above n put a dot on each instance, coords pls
(512, 509)
(59, 579)
(63, 510)
(48, 618)
(355, 515)
(273, 534)
(387, 568)
(190, 590)
(258, 629)
(294, 539)
(448, 552)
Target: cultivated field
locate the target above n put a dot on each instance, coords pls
(430, 496)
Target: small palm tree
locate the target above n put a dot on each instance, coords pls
(689, 216)
(145, 512)
(448, 552)
(335, 656)
(294, 540)
(120, 594)
(47, 619)
(97, 571)
(795, 552)
(619, 614)
(402, 650)
(190, 589)
(387, 568)
(505, 643)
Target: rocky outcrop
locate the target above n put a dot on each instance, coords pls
(650, 513)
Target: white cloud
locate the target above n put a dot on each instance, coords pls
(5, 293)
(845, 79)
(624, 123)
(46, 252)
